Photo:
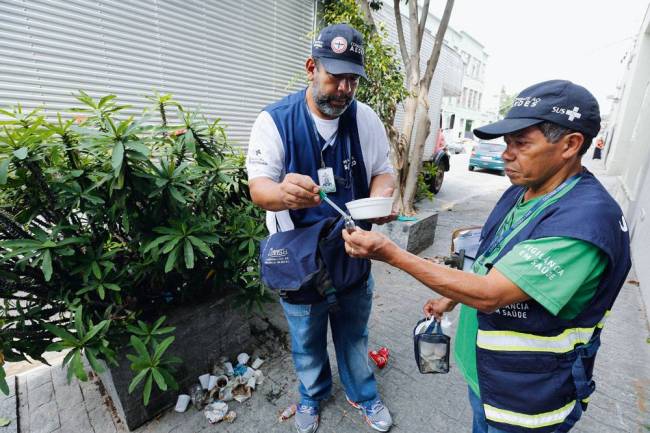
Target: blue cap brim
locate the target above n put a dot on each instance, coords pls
(338, 66)
(505, 126)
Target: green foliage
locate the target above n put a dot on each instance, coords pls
(425, 178)
(384, 88)
(151, 364)
(124, 218)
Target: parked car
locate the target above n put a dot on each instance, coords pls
(487, 154)
(441, 161)
(456, 147)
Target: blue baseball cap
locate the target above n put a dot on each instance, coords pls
(557, 101)
(339, 48)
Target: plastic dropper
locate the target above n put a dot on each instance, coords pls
(349, 222)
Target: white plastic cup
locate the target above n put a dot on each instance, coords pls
(249, 373)
(212, 382)
(243, 358)
(230, 371)
(251, 382)
(372, 207)
(205, 380)
(182, 402)
(257, 363)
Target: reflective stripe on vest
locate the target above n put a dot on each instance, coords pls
(510, 341)
(528, 421)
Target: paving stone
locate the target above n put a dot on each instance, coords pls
(68, 396)
(44, 419)
(75, 420)
(101, 420)
(38, 377)
(41, 395)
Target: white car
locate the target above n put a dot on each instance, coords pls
(456, 147)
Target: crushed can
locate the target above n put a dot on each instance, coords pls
(431, 347)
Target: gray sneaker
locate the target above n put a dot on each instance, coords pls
(375, 414)
(306, 419)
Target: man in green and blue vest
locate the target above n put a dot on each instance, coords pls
(553, 256)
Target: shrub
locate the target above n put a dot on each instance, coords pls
(107, 221)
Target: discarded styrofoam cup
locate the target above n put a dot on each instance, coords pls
(230, 371)
(251, 383)
(182, 402)
(243, 358)
(205, 380)
(257, 363)
(222, 381)
(249, 373)
(259, 377)
(212, 382)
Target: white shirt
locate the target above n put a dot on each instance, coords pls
(266, 152)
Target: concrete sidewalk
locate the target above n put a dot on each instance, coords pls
(419, 403)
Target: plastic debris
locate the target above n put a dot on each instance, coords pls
(197, 395)
(257, 363)
(216, 411)
(230, 416)
(241, 393)
(243, 358)
(259, 377)
(230, 371)
(287, 413)
(240, 370)
(379, 357)
(182, 402)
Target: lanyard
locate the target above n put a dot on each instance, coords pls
(330, 142)
(505, 233)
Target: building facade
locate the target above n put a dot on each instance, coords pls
(627, 153)
(222, 58)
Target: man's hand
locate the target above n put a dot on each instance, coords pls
(370, 245)
(436, 307)
(299, 191)
(387, 192)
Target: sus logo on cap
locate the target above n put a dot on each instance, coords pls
(339, 48)
(557, 101)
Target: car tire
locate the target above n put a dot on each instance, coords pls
(471, 168)
(436, 182)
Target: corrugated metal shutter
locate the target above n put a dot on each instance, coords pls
(228, 58)
(448, 72)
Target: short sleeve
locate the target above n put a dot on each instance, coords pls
(374, 142)
(265, 156)
(555, 271)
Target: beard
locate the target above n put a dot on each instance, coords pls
(324, 102)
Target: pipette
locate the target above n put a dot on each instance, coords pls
(349, 222)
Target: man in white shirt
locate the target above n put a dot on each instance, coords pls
(321, 138)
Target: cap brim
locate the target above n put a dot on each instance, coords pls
(338, 66)
(505, 126)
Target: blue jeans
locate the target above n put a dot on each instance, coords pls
(308, 329)
(479, 424)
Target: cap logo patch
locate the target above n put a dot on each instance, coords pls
(573, 114)
(526, 101)
(339, 44)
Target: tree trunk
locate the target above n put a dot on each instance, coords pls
(409, 161)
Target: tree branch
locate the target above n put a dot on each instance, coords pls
(413, 24)
(400, 35)
(435, 52)
(423, 21)
(367, 14)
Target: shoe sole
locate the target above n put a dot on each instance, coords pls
(313, 431)
(358, 407)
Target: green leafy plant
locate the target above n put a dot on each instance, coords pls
(124, 217)
(425, 178)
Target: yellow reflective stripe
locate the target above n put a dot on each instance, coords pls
(525, 420)
(512, 341)
(586, 400)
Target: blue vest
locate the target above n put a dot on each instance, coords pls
(302, 154)
(535, 372)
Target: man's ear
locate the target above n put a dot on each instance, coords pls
(571, 144)
(310, 67)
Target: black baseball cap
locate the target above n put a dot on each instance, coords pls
(558, 101)
(339, 48)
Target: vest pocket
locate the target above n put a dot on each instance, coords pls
(521, 382)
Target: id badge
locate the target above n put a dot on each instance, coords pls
(326, 179)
